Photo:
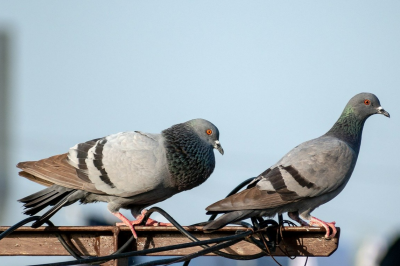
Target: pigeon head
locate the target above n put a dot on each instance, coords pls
(363, 105)
(189, 151)
(207, 131)
(350, 124)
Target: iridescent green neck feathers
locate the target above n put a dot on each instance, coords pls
(348, 128)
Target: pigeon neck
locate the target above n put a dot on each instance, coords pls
(190, 160)
(348, 128)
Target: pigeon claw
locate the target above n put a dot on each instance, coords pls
(328, 226)
(149, 222)
(139, 220)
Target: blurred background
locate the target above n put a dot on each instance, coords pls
(268, 74)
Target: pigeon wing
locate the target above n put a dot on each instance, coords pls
(55, 170)
(311, 169)
(123, 164)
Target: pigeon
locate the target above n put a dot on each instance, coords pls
(129, 170)
(310, 175)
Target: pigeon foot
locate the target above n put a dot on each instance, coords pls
(149, 222)
(327, 226)
(125, 221)
(139, 219)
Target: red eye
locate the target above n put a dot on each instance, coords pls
(367, 102)
(209, 131)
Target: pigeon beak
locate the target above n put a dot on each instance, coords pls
(218, 147)
(383, 112)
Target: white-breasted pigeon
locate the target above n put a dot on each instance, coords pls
(130, 170)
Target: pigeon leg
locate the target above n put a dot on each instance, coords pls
(318, 222)
(126, 222)
(295, 216)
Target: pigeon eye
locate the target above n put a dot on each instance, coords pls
(367, 102)
(209, 131)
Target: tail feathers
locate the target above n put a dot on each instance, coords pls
(64, 201)
(49, 201)
(36, 195)
(42, 199)
(227, 218)
(47, 197)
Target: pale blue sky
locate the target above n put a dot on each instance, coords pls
(268, 74)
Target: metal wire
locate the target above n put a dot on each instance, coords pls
(35, 218)
(260, 227)
(150, 251)
(156, 262)
(194, 239)
(67, 247)
(18, 225)
(208, 250)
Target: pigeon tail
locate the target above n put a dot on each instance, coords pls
(52, 196)
(225, 219)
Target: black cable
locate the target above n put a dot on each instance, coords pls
(36, 218)
(194, 239)
(18, 225)
(64, 243)
(258, 224)
(150, 251)
(80, 260)
(191, 256)
(156, 262)
(186, 263)
(67, 247)
(208, 250)
(223, 242)
(212, 217)
(125, 246)
(280, 218)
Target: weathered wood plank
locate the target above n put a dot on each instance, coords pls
(104, 240)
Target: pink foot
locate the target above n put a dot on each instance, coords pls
(126, 222)
(138, 220)
(149, 221)
(331, 225)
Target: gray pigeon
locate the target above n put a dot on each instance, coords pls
(130, 170)
(311, 174)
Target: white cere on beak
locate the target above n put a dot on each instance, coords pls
(217, 146)
(382, 111)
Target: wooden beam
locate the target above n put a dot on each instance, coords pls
(104, 240)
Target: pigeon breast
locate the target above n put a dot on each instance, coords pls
(190, 159)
